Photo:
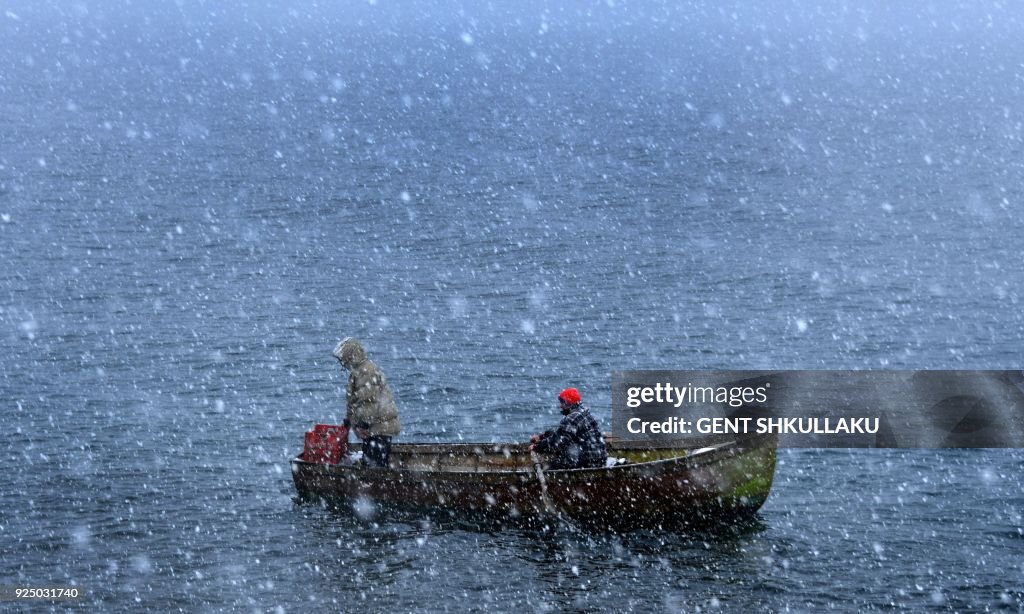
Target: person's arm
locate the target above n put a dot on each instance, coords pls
(349, 403)
(557, 440)
(536, 438)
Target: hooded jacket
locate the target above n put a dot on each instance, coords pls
(369, 403)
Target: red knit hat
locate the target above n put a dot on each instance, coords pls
(570, 396)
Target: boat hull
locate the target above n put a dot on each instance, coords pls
(659, 487)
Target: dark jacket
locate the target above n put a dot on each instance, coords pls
(576, 443)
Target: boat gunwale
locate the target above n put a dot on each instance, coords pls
(700, 456)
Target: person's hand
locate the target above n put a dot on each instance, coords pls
(535, 439)
(532, 446)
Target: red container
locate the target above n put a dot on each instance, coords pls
(326, 444)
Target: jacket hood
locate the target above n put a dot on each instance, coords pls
(350, 352)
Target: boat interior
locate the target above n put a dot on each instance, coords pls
(483, 458)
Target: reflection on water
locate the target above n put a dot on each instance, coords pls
(551, 568)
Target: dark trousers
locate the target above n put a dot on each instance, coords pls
(377, 451)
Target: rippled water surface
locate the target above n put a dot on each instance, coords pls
(196, 203)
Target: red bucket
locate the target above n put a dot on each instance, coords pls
(326, 444)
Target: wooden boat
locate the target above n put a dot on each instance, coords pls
(655, 484)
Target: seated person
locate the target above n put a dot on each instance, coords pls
(577, 442)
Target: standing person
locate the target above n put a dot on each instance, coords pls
(370, 409)
(577, 442)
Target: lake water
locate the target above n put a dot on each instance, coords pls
(197, 203)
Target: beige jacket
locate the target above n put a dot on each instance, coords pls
(368, 398)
